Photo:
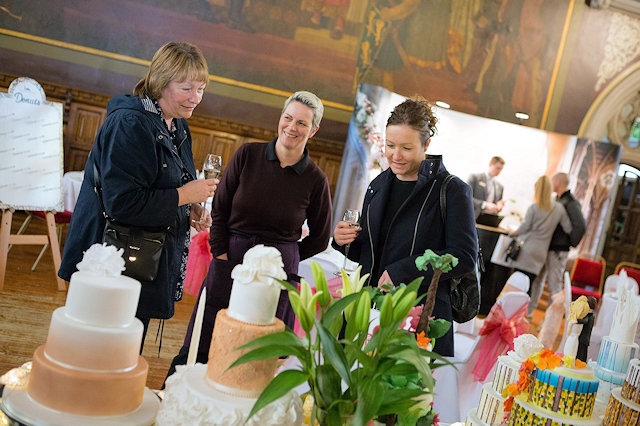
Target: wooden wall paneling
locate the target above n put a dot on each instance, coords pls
(84, 122)
(330, 164)
(87, 111)
(207, 141)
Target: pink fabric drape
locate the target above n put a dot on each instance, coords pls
(197, 263)
(497, 334)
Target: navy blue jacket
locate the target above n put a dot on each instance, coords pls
(416, 227)
(141, 170)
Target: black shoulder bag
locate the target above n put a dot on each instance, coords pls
(465, 289)
(142, 248)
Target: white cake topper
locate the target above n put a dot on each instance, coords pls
(625, 317)
(260, 264)
(102, 259)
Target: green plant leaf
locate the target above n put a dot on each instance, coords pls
(419, 362)
(282, 344)
(369, 399)
(278, 387)
(398, 400)
(333, 317)
(328, 386)
(334, 353)
(438, 328)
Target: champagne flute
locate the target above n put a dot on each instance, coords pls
(352, 217)
(212, 167)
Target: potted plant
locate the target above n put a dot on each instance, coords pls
(353, 376)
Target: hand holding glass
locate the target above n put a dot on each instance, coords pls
(211, 169)
(352, 217)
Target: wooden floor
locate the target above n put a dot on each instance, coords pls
(29, 299)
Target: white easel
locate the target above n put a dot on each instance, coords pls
(31, 166)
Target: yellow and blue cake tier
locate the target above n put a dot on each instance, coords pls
(558, 397)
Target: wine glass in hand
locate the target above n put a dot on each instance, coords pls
(211, 168)
(352, 217)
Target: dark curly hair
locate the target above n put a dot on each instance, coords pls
(417, 113)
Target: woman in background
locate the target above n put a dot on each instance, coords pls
(401, 215)
(540, 220)
(266, 193)
(143, 154)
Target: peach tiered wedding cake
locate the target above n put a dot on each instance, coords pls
(89, 371)
(215, 394)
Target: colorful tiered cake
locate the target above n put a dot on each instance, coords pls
(215, 394)
(553, 394)
(89, 371)
(624, 402)
(618, 348)
(490, 410)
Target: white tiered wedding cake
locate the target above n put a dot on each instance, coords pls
(618, 348)
(89, 371)
(213, 394)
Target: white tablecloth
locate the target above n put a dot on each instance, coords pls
(71, 183)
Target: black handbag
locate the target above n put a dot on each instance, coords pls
(513, 249)
(142, 248)
(465, 289)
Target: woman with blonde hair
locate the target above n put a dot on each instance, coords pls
(143, 158)
(541, 219)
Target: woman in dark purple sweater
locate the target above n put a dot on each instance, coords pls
(266, 193)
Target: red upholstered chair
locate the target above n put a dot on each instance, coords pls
(587, 276)
(632, 270)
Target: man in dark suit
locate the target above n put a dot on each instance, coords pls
(487, 191)
(487, 198)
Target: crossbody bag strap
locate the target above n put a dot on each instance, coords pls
(443, 212)
(443, 198)
(97, 188)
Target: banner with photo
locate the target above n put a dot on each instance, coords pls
(467, 143)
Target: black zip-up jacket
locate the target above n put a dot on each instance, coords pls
(418, 226)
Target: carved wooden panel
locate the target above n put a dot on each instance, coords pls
(207, 141)
(84, 122)
(330, 164)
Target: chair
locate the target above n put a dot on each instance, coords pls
(587, 276)
(62, 219)
(632, 270)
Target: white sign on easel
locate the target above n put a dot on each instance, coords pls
(31, 164)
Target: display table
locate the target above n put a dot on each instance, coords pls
(494, 276)
(71, 184)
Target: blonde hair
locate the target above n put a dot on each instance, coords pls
(309, 99)
(174, 61)
(542, 193)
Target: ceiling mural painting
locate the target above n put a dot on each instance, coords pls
(489, 58)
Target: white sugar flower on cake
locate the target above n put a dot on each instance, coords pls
(103, 260)
(524, 346)
(260, 264)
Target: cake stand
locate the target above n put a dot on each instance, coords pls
(20, 407)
